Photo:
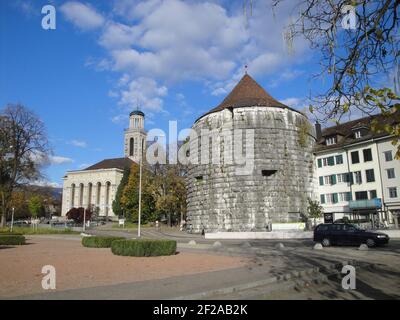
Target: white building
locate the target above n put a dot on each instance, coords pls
(357, 174)
(95, 187)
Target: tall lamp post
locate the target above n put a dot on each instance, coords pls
(84, 220)
(140, 188)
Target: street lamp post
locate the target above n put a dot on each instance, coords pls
(84, 220)
(140, 189)
(12, 219)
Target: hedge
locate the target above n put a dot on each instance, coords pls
(99, 242)
(11, 240)
(143, 248)
(9, 233)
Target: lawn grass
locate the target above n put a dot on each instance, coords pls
(29, 230)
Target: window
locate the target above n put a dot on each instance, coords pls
(357, 177)
(372, 194)
(340, 178)
(325, 161)
(339, 159)
(370, 175)
(267, 173)
(354, 157)
(393, 192)
(331, 198)
(388, 155)
(367, 155)
(390, 173)
(131, 147)
(344, 196)
(346, 177)
(328, 179)
(361, 195)
(330, 140)
(322, 227)
(319, 163)
(357, 134)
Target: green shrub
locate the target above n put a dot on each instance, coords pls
(99, 242)
(143, 248)
(11, 240)
(9, 233)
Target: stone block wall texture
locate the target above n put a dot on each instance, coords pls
(219, 199)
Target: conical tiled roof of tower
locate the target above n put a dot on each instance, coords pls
(247, 93)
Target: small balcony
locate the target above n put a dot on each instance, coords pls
(366, 204)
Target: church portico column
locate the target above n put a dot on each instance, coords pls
(103, 199)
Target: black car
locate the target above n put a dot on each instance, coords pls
(347, 234)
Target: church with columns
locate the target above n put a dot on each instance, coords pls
(95, 187)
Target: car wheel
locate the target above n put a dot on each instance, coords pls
(370, 243)
(326, 242)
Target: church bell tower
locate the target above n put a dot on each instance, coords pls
(135, 136)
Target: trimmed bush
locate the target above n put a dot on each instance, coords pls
(143, 248)
(8, 233)
(11, 240)
(99, 242)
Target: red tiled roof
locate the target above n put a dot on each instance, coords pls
(247, 93)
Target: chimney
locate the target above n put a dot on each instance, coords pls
(318, 131)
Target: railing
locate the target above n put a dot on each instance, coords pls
(365, 204)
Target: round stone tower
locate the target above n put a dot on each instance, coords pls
(251, 163)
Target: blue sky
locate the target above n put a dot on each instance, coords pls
(175, 59)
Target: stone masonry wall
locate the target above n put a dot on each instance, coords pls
(221, 200)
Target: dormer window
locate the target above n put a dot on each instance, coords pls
(357, 134)
(331, 140)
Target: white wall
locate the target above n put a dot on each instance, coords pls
(85, 177)
(386, 145)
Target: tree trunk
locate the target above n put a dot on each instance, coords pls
(3, 221)
(3, 211)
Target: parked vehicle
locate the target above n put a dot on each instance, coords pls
(19, 223)
(347, 234)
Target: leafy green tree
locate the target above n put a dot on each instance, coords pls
(355, 60)
(169, 192)
(130, 197)
(36, 207)
(314, 209)
(116, 205)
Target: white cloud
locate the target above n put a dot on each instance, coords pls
(60, 160)
(143, 93)
(78, 143)
(168, 41)
(83, 16)
(121, 118)
(45, 183)
(285, 75)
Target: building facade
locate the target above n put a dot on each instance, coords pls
(357, 173)
(95, 187)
